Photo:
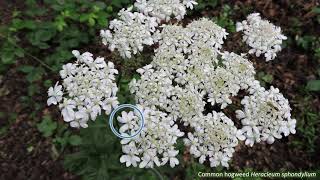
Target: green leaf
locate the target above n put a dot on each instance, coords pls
(109, 9)
(33, 73)
(32, 89)
(91, 21)
(267, 78)
(306, 41)
(62, 141)
(313, 85)
(3, 130)
(19, 52)
(31, 3)
(47, 83)
(316, 10)
(317, 53)
(7, 57)
(75, 140)
(44, 35)
(83, 17)
(18, 24)
(60, 23)
(102, 19)
(47, 126)
(26, 68)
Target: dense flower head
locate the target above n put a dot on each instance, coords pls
(262, 36)
(206, 31)
(155, 145)
(174, 37)
(266, 116)
(129, 33)
(188, 72)
(87, 88)
(213, 139)
(154, 87)
(195, 62)
(164, 9)
(198, 34)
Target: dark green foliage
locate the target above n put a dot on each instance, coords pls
(264, 78)
(99, 154)
(205, 4)
(309, 44)
(224, 20)
(47, 126)
(39, 39)
(124, 95)
(313, 85)
(307, 125)
(317, 11)
(53, 28)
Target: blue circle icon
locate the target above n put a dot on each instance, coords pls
(122, 106)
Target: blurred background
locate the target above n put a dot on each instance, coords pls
(37, 37)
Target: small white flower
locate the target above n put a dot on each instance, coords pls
(288, 127)
(218, 159)
(171, 157)
(68, 110)
(131, 157)
(189, 3)
(55, 94)
(129, 121)
(68, 69)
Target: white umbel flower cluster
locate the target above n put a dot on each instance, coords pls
(262, 36)
(165, 9)
(266, 116)
(88, 87)
(188, 72)
(129, 33)
(201, 34)
(213, 139)
(155, 145)
(133, 30)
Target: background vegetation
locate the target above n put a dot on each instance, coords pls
(36, 39)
